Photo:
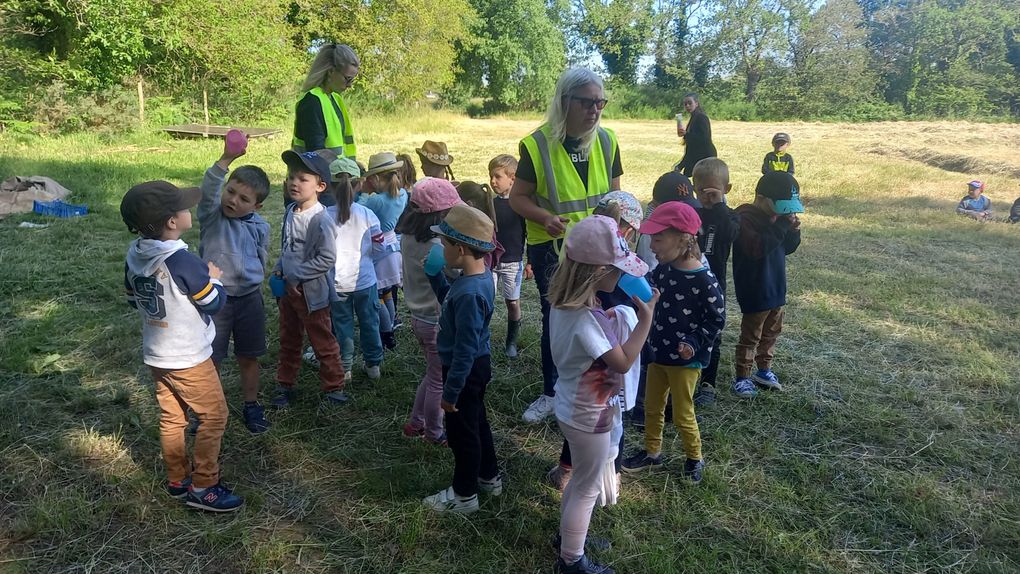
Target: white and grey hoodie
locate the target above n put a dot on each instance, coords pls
(175, 296)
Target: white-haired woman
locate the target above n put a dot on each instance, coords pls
(565, 168)
(321, 119)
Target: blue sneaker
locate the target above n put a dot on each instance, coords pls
(255, 418)
(216, 498)
(744, 388)
(767, 379)
(283, 397)
(179, 489)
(692, 470)
(335, 397)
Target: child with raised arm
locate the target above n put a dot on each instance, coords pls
(592, 354)
(175, 292)
(236, 239)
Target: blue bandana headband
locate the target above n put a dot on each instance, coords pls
(445, 229)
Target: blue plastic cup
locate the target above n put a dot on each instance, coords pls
(435, 261)
(636, 287)
(277, 285)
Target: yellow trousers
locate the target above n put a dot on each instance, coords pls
(660, 382)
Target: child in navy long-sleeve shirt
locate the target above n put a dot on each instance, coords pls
(769, 231)
(176, 293)
(463, 345)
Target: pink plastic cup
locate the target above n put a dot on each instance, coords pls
(237, 142)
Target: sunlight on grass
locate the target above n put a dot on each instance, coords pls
(894, 447)
(101, 454)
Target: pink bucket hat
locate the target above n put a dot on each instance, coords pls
(673, 215)
(433, 194)
(596, 240)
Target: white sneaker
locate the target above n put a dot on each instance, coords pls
(310, 357)
(539, 410)
(493, 487)
(448, 501)
(348, 377)
(373, 372)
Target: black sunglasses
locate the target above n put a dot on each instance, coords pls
(587, 103)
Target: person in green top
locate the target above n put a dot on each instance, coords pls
(566, 166)
(321, 119)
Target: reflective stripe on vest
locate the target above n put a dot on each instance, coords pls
(564, 198)
(339, 130)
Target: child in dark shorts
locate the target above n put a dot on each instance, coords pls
(236, 239)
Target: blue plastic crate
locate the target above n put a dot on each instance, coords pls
(58, 208)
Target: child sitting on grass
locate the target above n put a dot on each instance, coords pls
(769, 231)
(975, 204)
(463, 343)
(236, 240)
(688, 321)
(591, 356)
(306, 265)
(175, 292)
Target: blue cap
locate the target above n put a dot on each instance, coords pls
(783, 190)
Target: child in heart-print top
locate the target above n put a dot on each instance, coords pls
(688, 319)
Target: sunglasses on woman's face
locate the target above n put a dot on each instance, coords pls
(587, 103)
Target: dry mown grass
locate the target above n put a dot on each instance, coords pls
(895, 447)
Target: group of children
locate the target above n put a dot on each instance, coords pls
(449, 248)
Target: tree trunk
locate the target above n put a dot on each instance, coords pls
(753, 77)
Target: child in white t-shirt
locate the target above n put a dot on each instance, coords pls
(591, 361)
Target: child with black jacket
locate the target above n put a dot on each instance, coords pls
(769, 231)
(719, 227)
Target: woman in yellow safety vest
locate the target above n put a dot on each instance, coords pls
(321, 119)
(565, 168)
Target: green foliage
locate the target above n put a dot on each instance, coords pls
(201, 47)
(407, 47)
(619, 30)
(513, 55)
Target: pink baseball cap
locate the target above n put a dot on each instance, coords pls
(595, 240)
(672, 215)
(432, 194)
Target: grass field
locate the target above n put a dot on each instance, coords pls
(895, 448)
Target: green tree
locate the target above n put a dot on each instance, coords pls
(620, 30)
(407, 47)
(240, 52)
(751, 37)
(947, 57)
(832, 68)
(513, 55)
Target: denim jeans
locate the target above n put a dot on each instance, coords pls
(544, 260)
(364, 303)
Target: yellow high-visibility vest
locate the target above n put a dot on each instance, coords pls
(339, 129)
(558, 187)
